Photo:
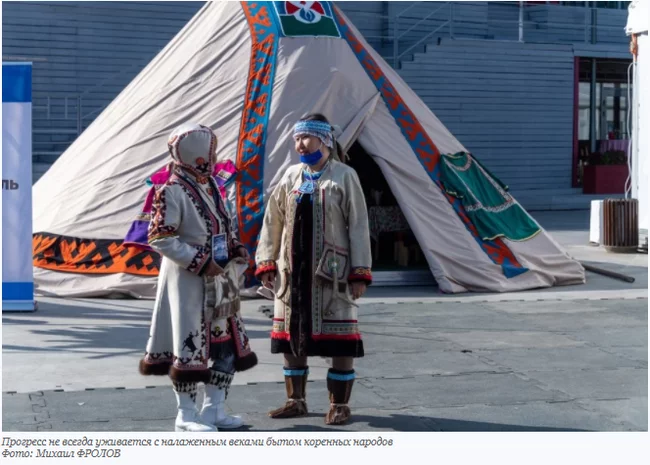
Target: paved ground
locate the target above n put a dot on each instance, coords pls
(567, 359)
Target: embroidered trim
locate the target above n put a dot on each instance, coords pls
(310, 182)
(199, 260)
(301, 127)
(289, 371)
(497, 209)
(457, 156)
(189, 388)
(198, 356)
(320, 226)
(478, 205)
(319, 337)
(239, 334)
(282, 335)
(158, 357)
(279, 325)
(162, 235)
(340, 376)
(185, 387)
(143, 217)
(220, 379)
(157, 227)
(332, 264)
(211, 221)
(340, 328)
(219, 335)
(360, 273)
(265, 267)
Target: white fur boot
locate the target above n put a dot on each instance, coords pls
(214, 409)
(188, 418)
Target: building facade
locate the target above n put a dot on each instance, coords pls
(534, 90)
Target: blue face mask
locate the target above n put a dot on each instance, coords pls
(311, 158)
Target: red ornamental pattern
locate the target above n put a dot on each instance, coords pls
(424, 148)
(252, 134)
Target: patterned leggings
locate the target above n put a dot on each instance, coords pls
(222, 373)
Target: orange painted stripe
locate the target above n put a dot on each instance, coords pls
(91, 256)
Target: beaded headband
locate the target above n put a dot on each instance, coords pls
(318, 129)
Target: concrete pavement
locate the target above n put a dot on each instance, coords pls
(565, 359)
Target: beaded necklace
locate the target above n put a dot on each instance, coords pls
(310, 180)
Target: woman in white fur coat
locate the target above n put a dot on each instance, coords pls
(190, 340)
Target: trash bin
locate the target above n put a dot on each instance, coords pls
(620, 225)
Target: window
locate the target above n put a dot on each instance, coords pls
(610, 5)
(607, 113)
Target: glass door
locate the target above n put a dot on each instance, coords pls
(601, 111)
(612, 108)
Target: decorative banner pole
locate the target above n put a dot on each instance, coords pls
(17, 270)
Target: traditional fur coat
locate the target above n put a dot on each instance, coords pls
(340, 253)
(187, 211)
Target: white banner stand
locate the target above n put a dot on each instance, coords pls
(17, 268)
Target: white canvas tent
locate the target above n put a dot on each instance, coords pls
(249, 71)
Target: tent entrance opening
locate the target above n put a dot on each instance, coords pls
(395, 250)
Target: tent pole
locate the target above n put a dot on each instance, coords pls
(608, 273)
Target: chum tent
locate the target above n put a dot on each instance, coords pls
(249, 70)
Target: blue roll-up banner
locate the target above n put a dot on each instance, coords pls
(17, 270)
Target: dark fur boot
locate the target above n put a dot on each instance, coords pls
(295, 380)
(339, 385)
